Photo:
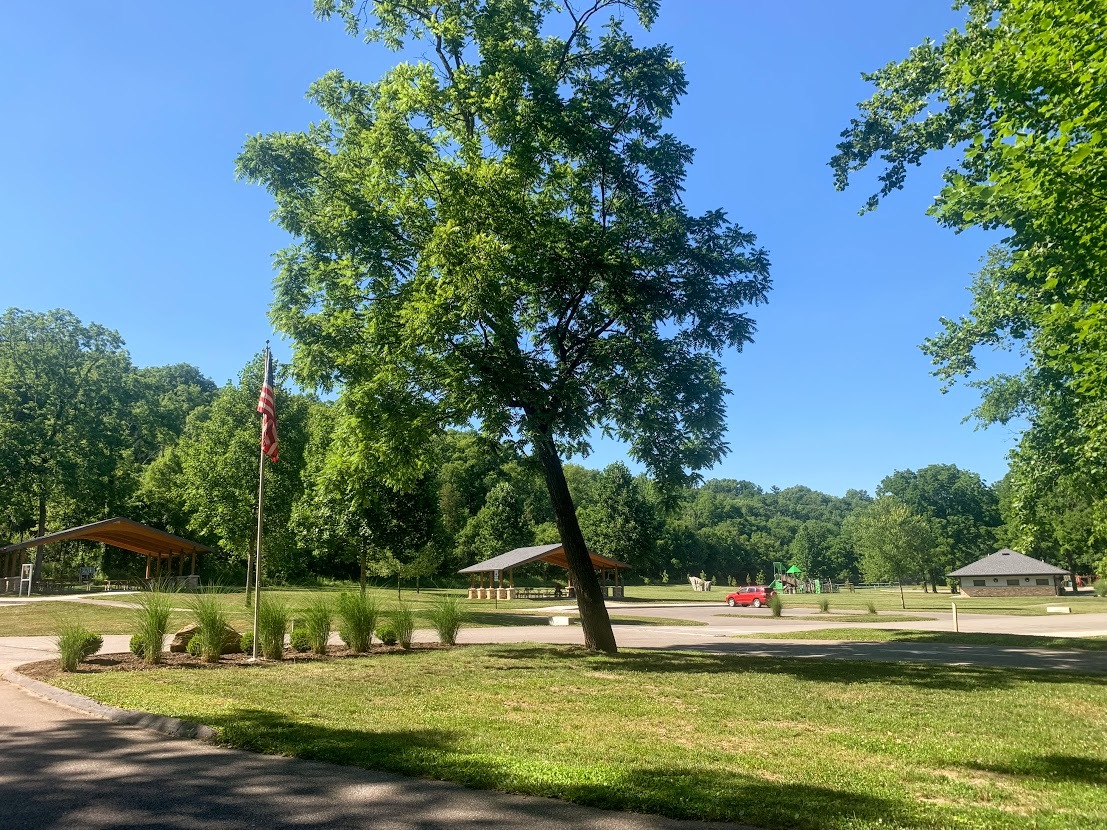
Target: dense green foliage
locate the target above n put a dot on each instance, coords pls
(1018, 94)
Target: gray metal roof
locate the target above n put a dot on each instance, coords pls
(554, 554)
(1008, 563)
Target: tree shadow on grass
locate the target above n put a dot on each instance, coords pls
(84, 773)
(688, 661)
(1052, 768)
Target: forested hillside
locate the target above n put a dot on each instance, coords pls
(85, 434)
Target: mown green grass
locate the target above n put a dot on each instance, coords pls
(42, 618)
(804, 744)
(887, 599)
(882, 635)
(835, 618)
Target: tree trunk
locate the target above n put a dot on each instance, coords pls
(40, 551)
(362, 562)
(598, 635)
(902, 604)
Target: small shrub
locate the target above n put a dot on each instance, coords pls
(403, 623)
(298, 640)
(447, 615)
(138, 645)
(152, 622)
(272, 624)
(193, 645)
(212, 632)
(357, 617)
(76, 643)
(318, 622)
(386, 634)
(870, 606)
(247, 642)
(664, 577)
(776, 605)
(1100, 587)
(824, 604)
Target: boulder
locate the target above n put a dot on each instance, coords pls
(181, 638)
(232, 640)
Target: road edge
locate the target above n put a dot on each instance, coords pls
(170, 727)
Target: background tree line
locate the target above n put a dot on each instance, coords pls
(85, 435)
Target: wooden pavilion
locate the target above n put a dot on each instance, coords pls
(164, 552)
(501, 568)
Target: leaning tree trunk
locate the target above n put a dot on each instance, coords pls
(598, 635)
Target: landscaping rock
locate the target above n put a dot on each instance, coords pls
(181, 638)
(232, 640)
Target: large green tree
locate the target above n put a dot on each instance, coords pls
(496, 232)
(963, 512)
(1018, 93)
(64, 402)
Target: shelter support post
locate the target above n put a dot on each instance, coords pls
(147, 566)
(180, 564)
(194, 555)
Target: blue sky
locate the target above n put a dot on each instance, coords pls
(118, 202)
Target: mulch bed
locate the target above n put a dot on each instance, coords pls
(126, 661)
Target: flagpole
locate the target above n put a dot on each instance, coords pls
(261, 485)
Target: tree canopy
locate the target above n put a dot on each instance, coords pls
(1019, 94)
(497, 233)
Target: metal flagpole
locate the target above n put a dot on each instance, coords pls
(261, 483)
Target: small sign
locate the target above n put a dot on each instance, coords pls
(87, 573)
(25, 574)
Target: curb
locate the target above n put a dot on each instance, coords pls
(171, 727)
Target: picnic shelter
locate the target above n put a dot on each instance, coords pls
(499, 572)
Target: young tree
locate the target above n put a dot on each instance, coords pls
(497, 233)
(963, 512)
(893, 541)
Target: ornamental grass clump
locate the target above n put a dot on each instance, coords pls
(357, 617)
(447, 615)
(272, 624)
(155, 607)
(824, 605)
(76, 643)
(871, 606)
(318, 620)
(402, 620)
(212, 627)
(776, 605)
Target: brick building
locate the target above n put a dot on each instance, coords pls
(1007, 573)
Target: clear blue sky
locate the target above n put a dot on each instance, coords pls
(118, 201)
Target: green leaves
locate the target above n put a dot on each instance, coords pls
(1018, 91)
(496, 233)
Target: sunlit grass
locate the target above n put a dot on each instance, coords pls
(804, 744)
(884, 635)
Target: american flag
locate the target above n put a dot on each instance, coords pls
(268, 409)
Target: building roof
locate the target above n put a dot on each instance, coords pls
(1007, 562)
(554, 554)
(119, 533)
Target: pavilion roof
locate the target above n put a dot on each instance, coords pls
(119, 533)
(554, 554)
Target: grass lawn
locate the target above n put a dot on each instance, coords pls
(42, 618)
(887, 599)
(880, 635)
(838, 618)
(806, 744)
